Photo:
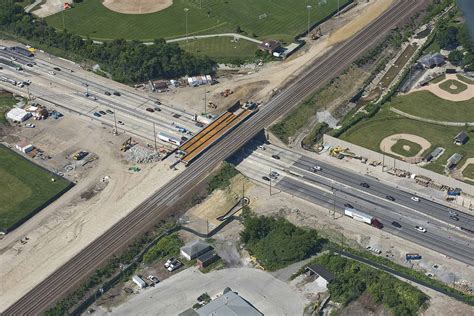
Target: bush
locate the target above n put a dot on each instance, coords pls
(167, 246)
(222, 178)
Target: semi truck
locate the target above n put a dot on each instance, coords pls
(363, 217)
(170, 139)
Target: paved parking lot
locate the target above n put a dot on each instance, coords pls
(179, 292)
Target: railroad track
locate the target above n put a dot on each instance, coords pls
(68, 276)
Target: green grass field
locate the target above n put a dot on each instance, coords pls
(7, 101)
(427, 105)
(469, 171)
(438, 79)
(453, 86)
(221, 48)
(464, 79)
(398, 148)
(385, 123)
(25, 187)
(282, 19)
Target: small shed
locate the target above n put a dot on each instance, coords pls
(18, 115)
(195, 249)
(24, 146)
(323, 276)
(453, 160)
(139, 281)
(206, 259)
(461, 138)
(270, 46)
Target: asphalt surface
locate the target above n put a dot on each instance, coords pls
(66, 89)
(323, 69)
(333, 188)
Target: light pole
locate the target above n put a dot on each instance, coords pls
(186, 18)
(309, 13)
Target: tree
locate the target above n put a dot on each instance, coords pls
(455, 57)
(447, 37)
(238, 30)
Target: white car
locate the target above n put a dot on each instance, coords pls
(153, 278)
(262, 147)
(317, 168)
(421, 229)
(30, 125)
(416, 199)
(169, 261)
(52, 73)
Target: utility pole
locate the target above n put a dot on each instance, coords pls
(154, 135)
(186, 17)
(270, 182)
(115, 120)
(309, 10)
(205, 100)
(334, 203)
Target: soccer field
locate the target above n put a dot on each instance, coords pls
(25, 187)
(281, 20)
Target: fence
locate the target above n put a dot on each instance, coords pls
(396, 163)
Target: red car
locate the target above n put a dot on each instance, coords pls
(150, 110)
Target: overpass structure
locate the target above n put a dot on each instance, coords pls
(67, 277)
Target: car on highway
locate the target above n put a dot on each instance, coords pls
(421, 229)
(117, 93)
(121, 123)
(390, 198)
(85, 84)
(109, 111)
(273, 175)
(13, 58)
(107, 93)
(454, 218)
(416, 199)
(157, 102)
(57, 68)
(262, 147)
(29, 64)
(97, 114)
(348, 205)
(316, 168)
(30, 125)
(28, 82)
(396, 224)
(157, 109)
(365, 185)
(150, 110)
(102, 112)
(276, 157)
(52, 73)
(453, 213)
(266, 178)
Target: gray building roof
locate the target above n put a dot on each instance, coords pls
(461, 137)
(228, 304)
(454, 159)
(325, 274)
(196, 248)
(431, 60)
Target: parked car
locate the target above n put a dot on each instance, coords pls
(365, 185)
(266, 178)
(109, 111)
(97, 114)
(420, 229)
(120, 123)
(150, 110)
(29, 125)
(416, 199)
(153, 278)
(174, 265)
(390, 198)
(117, 93)
(57, 68)
(169, 261)
(276, 157)
(157, 109)
(102, 112)
(107, 93)
(396, 224)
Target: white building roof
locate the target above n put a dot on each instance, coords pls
(228, 304)
(17, 114)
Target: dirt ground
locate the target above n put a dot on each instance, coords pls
(62, 229)
(465, 95)
(387, 143)
(50, 7)
(137, 6)
(260, 83)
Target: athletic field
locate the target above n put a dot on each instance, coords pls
(281, 20)
(25, 187)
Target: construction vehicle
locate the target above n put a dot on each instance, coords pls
(80, 155)
(316, 34)
(212, 105)
(226, 93)
(126, 145)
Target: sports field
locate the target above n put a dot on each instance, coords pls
(25, 187)
(282, 19)
(222, 49)
(370, 133)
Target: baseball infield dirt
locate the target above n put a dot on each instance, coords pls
(137, 6)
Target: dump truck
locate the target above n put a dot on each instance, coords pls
(363, 217)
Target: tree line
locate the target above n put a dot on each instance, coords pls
(126, 61)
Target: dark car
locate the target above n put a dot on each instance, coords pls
(266, 178)
(454, 218)
(121, 123)
(29, 65)
(150, 110)
(348, 205)
(276, 157)
(102, 112)
(117, 93)
(365, 185)
(157, 102)
(97, 114)
(109, 111)
(390, 198)
(107, 93)
(57, 68)
(396, 224)
(157, 109)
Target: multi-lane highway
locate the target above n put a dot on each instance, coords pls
(130, 227)
(67, 89)
(334, 188)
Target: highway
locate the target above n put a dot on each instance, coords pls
(131, 226)
(333, 188)
(67, 89)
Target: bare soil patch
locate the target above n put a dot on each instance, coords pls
(137, 6)
(388, 142)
